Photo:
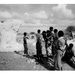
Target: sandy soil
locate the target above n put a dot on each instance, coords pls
(13, 61)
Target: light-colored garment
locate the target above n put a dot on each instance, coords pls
(61, 42)
(38, 37)
(61, 51)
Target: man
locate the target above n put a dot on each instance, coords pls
(25, 44)
(47, 41)
(55, 38)
(51, 35)
(61, 46)
(38, 44)
(54, 47)
(51, 29)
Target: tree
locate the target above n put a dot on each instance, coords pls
(70, 28)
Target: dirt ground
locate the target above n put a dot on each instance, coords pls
(13, 61)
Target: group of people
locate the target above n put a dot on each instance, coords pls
(58, 45)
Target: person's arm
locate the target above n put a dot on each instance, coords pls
(27, 37)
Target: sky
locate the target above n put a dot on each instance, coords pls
(40, 15)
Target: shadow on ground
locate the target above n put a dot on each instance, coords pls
(43, 62)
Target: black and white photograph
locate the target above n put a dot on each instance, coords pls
(37, 37)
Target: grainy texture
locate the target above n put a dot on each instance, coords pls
(13, 61)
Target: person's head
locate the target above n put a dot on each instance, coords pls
(70, 46)
(38, 31)
(43, 32)
(51, 28)
(25, 33)
(48, 32)
(60, 33)
(55, 30)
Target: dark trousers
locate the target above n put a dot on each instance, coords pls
(39, 49)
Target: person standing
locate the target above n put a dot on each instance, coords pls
(38, 44)
(51, 35)
(25, 44)
(55, 38)
(61, 46)
(54, 47)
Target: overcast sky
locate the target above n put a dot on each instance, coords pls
(40, 14)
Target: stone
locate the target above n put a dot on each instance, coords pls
(9, 30)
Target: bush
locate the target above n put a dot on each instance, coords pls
(68, 31)
(70, 28)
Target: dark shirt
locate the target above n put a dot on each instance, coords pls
(69, 54)
(24, 39)
(55, 38)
